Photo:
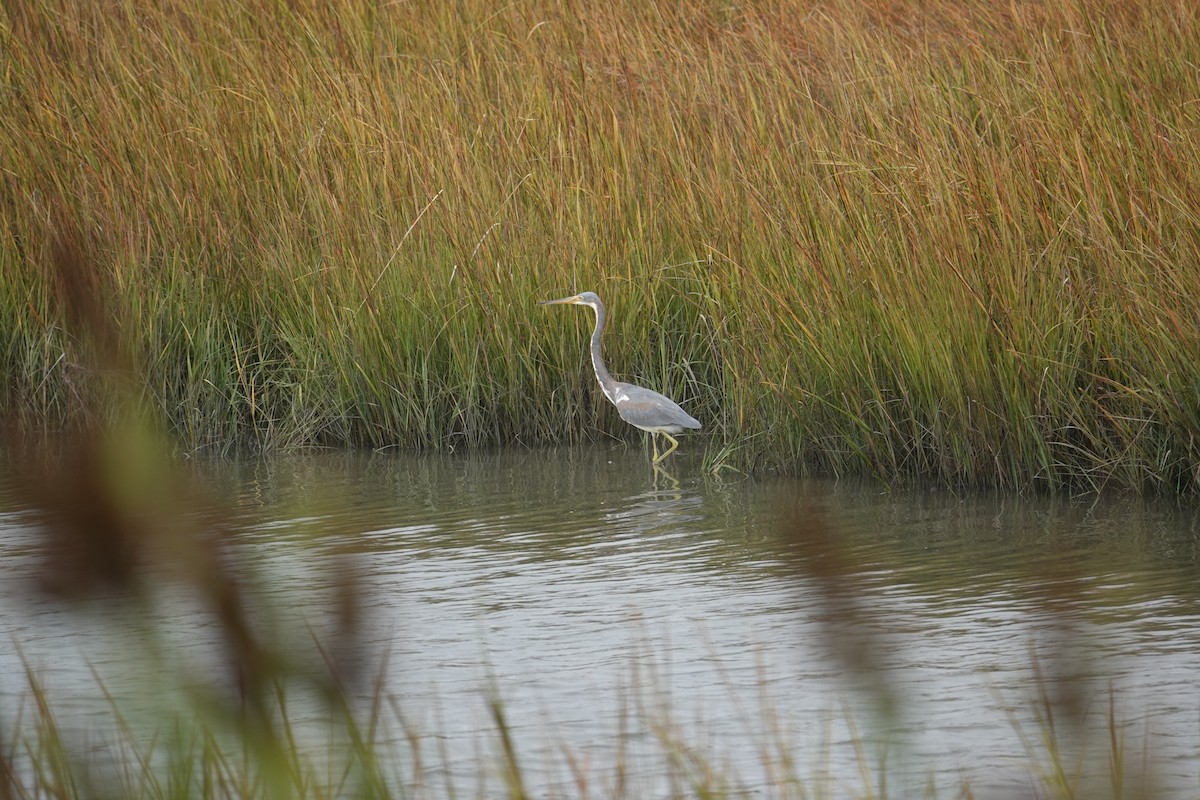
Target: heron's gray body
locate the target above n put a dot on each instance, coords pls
(642, 408)
(647, 409)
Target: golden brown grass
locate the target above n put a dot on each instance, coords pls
(949, 240)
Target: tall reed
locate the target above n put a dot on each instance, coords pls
(950, 240)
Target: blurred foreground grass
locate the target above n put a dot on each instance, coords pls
(956, 240)
(370, 749)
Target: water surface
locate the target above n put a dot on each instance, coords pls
(769, 629)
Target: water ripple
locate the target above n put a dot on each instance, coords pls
(581, 588)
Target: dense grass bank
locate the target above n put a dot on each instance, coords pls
(948, 240)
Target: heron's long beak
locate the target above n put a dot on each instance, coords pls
(572, 299)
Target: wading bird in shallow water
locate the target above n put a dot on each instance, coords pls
(640, 407)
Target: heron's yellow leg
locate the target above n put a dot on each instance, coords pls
(674, 443)
(654, 444)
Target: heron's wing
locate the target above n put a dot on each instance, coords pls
(646, 408)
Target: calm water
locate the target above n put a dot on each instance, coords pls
(821, 630)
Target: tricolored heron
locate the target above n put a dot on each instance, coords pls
(641, 407)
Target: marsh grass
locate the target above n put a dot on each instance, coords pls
(954, 240)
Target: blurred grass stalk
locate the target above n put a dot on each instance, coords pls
(956, 240)
(192, 752)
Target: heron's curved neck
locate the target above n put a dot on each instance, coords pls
(606, 381)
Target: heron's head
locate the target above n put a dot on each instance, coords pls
(581, 299)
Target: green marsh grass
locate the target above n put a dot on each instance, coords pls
(951, 241)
